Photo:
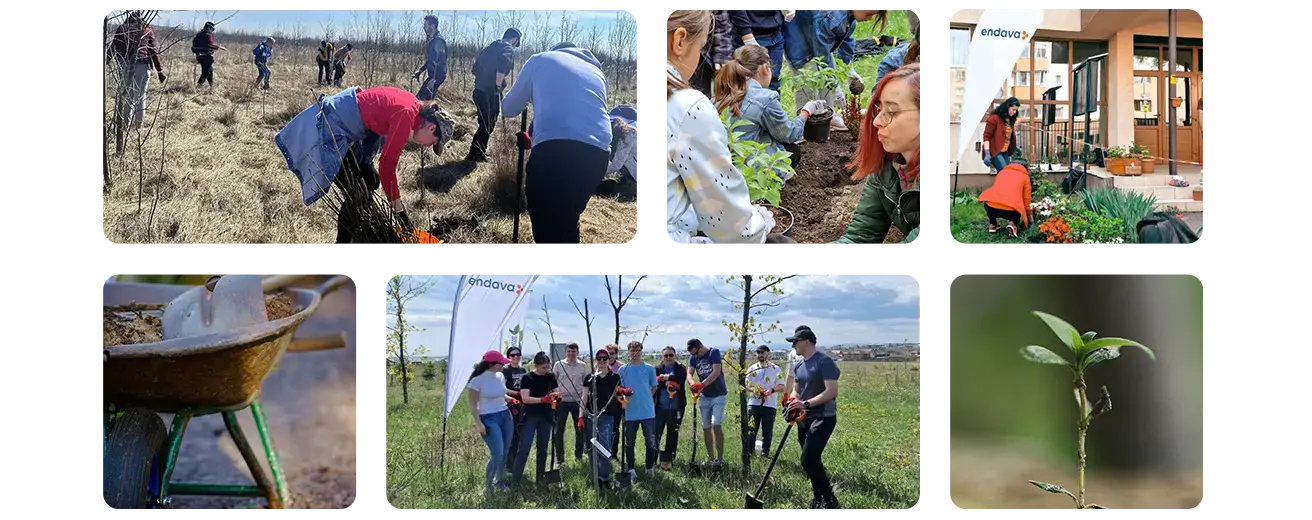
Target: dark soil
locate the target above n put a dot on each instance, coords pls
(618, 185)
(823, 196)
(134, 324)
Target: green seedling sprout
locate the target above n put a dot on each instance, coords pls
(1088, 352)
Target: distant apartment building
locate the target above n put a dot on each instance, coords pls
(1134, 81)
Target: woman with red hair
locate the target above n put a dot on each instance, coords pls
(888, 158)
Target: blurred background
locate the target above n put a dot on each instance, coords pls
(1013, 420)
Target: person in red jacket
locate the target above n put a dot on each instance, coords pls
(1000, 134)
(392, 117)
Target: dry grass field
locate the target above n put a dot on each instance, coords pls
(204, 168)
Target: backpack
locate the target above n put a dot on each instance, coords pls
(1165, 228)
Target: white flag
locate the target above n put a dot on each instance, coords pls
(516, 320)
(999, 39)
(483, 308)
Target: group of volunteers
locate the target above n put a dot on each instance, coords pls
(517, 411)
(730, 61)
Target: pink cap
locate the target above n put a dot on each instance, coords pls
(493, 356)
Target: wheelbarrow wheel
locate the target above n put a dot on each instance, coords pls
(129, 456)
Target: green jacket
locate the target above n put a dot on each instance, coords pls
(883, 203)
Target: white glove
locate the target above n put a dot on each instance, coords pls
(750, 40)
(788, 16)
(700, 240)
(769, 217)
(815, 106)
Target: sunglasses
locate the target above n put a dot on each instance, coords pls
(514, 355)
(603, 358)
(669, 355)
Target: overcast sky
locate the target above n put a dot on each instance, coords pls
(840, 309)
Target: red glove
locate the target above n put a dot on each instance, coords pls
(697, 388)
(514, 402)
(661, 378)
(626, 392)
(674, 385)
(579, 424)
(523, 141)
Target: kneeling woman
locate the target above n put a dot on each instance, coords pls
(487, 400)
(1008, 198)
(335, 140)
(888, 158)
(739, 86)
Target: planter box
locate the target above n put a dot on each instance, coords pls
(1149, 164)
(1198, 194)
(1124, 166)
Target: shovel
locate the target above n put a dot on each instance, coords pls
(226, 303)
(626, 482)
(552, 477)
(519, 178)
(694, 468)
(752, 501)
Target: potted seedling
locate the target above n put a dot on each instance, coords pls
(819, 80)
(1121, 162)
(763, 171)
(1147, 162)
(1086, 352)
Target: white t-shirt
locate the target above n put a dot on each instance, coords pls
(491, 388)
(766, 377)
(793, 358)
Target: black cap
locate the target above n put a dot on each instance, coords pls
(694, 342)
(209, 25)
(763, 348)
(802, 332)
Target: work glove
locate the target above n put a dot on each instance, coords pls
(814, 106)
(769, 217)
(697, 388)
(523, 141)
(750, 40)
(579, 424)
(788, 16)
(662, 378)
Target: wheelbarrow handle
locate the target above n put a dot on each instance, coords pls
(279, 282)
(313, 343)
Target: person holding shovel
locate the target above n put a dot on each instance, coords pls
(334, 141)
(491, 68)
(514, 373)
(570, 137)
(570, 372)
(537, 392)
(603, 408)
(671, 399)
(434, 61)
(888, 159)
(641, 411)
(706, 364)
(488, 402)
(263, 52)
(738, 87)
(615, 365)
(816, 392)
(764, 383)
(203, 46)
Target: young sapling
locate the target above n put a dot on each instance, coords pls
(1087, 352)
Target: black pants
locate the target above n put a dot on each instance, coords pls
(562, 176)
(513, 450)
(702, 77)
(615, 438)
(763, 420)
(206, 62)
(1005, 214)
(567, 411)
(813, 434)
(667, 425)
(338, 71)
(325, 71)
(489, 109)
(357, 179)
(631, 429)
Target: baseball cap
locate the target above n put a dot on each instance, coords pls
(694, 343)
(802, 332)
(763, 348)
(493, 356)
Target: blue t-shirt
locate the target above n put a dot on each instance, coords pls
(810, 375)
(665, 402)
(703, 366)
(639, 378)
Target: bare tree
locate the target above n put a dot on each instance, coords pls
(769, 294)
(400, 290)
(592, 38)
(547, 320)
(569, 28)
(618, 299)
(592, 411)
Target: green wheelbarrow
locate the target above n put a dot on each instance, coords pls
(188, 377)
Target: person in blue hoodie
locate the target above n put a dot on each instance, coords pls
(434, 61)
(262, 53)
(491, 69)
(570, 137)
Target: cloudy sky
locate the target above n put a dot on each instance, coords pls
(840, 309)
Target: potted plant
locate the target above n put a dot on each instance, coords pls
(761, 170)
(1148, 162)
(1121, 162)
(819, 81)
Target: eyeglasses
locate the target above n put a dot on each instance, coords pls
(886, 117)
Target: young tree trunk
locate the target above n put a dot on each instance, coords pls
(742, 375)
(400, 338)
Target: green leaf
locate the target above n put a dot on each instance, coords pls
(1087, 337)
(1120, 342)
(1064, 331)
(1099, 355)
(1042, 355)
(1051, 488)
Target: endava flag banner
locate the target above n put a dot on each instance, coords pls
(485, 305)
(999, 39)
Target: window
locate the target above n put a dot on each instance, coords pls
(1025, 53)
(1041, 50)
(959, 91)
(956, 111)
(960, 47)
(958, 75)
(1040, 77)
(1148, 58)
(1022, 78)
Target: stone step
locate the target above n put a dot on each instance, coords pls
(1163, 192)
(1187, 205)
(1153, 179)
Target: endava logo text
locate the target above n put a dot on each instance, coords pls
(1003, 33)
(495, 285)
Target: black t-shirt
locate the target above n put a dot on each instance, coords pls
(538, 386)
(605, 387)
(513, 376)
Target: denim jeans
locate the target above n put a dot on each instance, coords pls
(774, 43)
(499, 426)
(1000, 161)
(605, 429)
(649, 441)
(535, 426)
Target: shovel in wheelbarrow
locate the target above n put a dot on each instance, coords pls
(753, 499)
(552, 477)
(694, 468)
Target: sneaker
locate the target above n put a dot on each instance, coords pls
(831, 503)
(502, 487)
(816, 503)
(837, 123)
(993, 228)
(1011, 230)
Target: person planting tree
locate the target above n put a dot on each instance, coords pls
(334, 141)
(671, 399)
(492, 420)
(570, 137)
(324, 59)
(341, 60)
(738, 87)
(816, 392)
(888, 159)
(641, 411)
(514, 378)
(434, 61)
(537, 392)
(826, 35)
(491, 68)
(706, 364)
(599, 394)
(203, 46)
(263, 53)
(1009, 199)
